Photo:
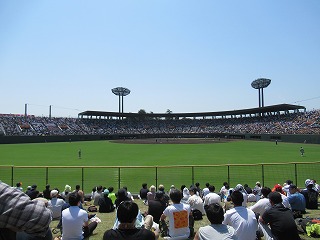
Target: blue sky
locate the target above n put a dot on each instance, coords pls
(182, 55)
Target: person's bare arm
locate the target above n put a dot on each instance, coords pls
(196, 237)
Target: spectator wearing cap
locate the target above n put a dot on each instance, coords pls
(310, 195)
(241, 189)
(257, 191)
(105, 203)
(195, 201)
(65, 193)
(285, 201)
(156, 206)
(55, 204)
(296, 200)
(33, 192)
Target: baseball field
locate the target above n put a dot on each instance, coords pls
(157, 161)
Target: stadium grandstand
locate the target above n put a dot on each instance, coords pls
(277, 122)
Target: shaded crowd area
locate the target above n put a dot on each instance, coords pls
(293, 123)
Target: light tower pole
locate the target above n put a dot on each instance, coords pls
(121, 92)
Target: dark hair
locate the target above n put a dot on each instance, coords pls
(74, 198)
(144, 185)
(197, 184)
(275, 197)
(237, 198)
(99, 188)
(18, 184)
(207, 184)
(110, 189)
(127, 211)
(47, 186)
(78, 187)
(215, 213)
(182, 187)
(265, 191)
(159, 195)
(289, 182)
(212, 188)
(176, 195)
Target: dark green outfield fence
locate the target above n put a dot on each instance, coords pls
(132, 177)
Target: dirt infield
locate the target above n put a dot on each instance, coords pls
(172, 140)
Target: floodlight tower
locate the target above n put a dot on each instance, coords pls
(121, 92)
(260, 84)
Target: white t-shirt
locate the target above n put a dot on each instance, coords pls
(216, 231)
(178, 215)
(72, 222)
(261, 206)
(212, 198)
(196, 202)
(243, 220)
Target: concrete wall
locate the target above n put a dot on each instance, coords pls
(263, 137)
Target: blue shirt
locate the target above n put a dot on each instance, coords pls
(297, 202)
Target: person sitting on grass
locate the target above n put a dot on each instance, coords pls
(216, 230)
(127, 213)
(105, 203)
(75, 221)
(178, 214)
(280, 219)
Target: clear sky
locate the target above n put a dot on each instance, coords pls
(182, 55)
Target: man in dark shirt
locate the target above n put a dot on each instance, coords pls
(280, 220)
(310, 195)
(143, 192)
(105, 203)
(127, 213)
(157, 206)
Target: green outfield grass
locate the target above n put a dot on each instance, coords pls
(105, 153)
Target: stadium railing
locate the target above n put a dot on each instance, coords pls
(133, 176)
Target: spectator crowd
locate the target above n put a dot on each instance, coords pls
(239, 212)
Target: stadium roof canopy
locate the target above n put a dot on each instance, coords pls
(251, 112)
